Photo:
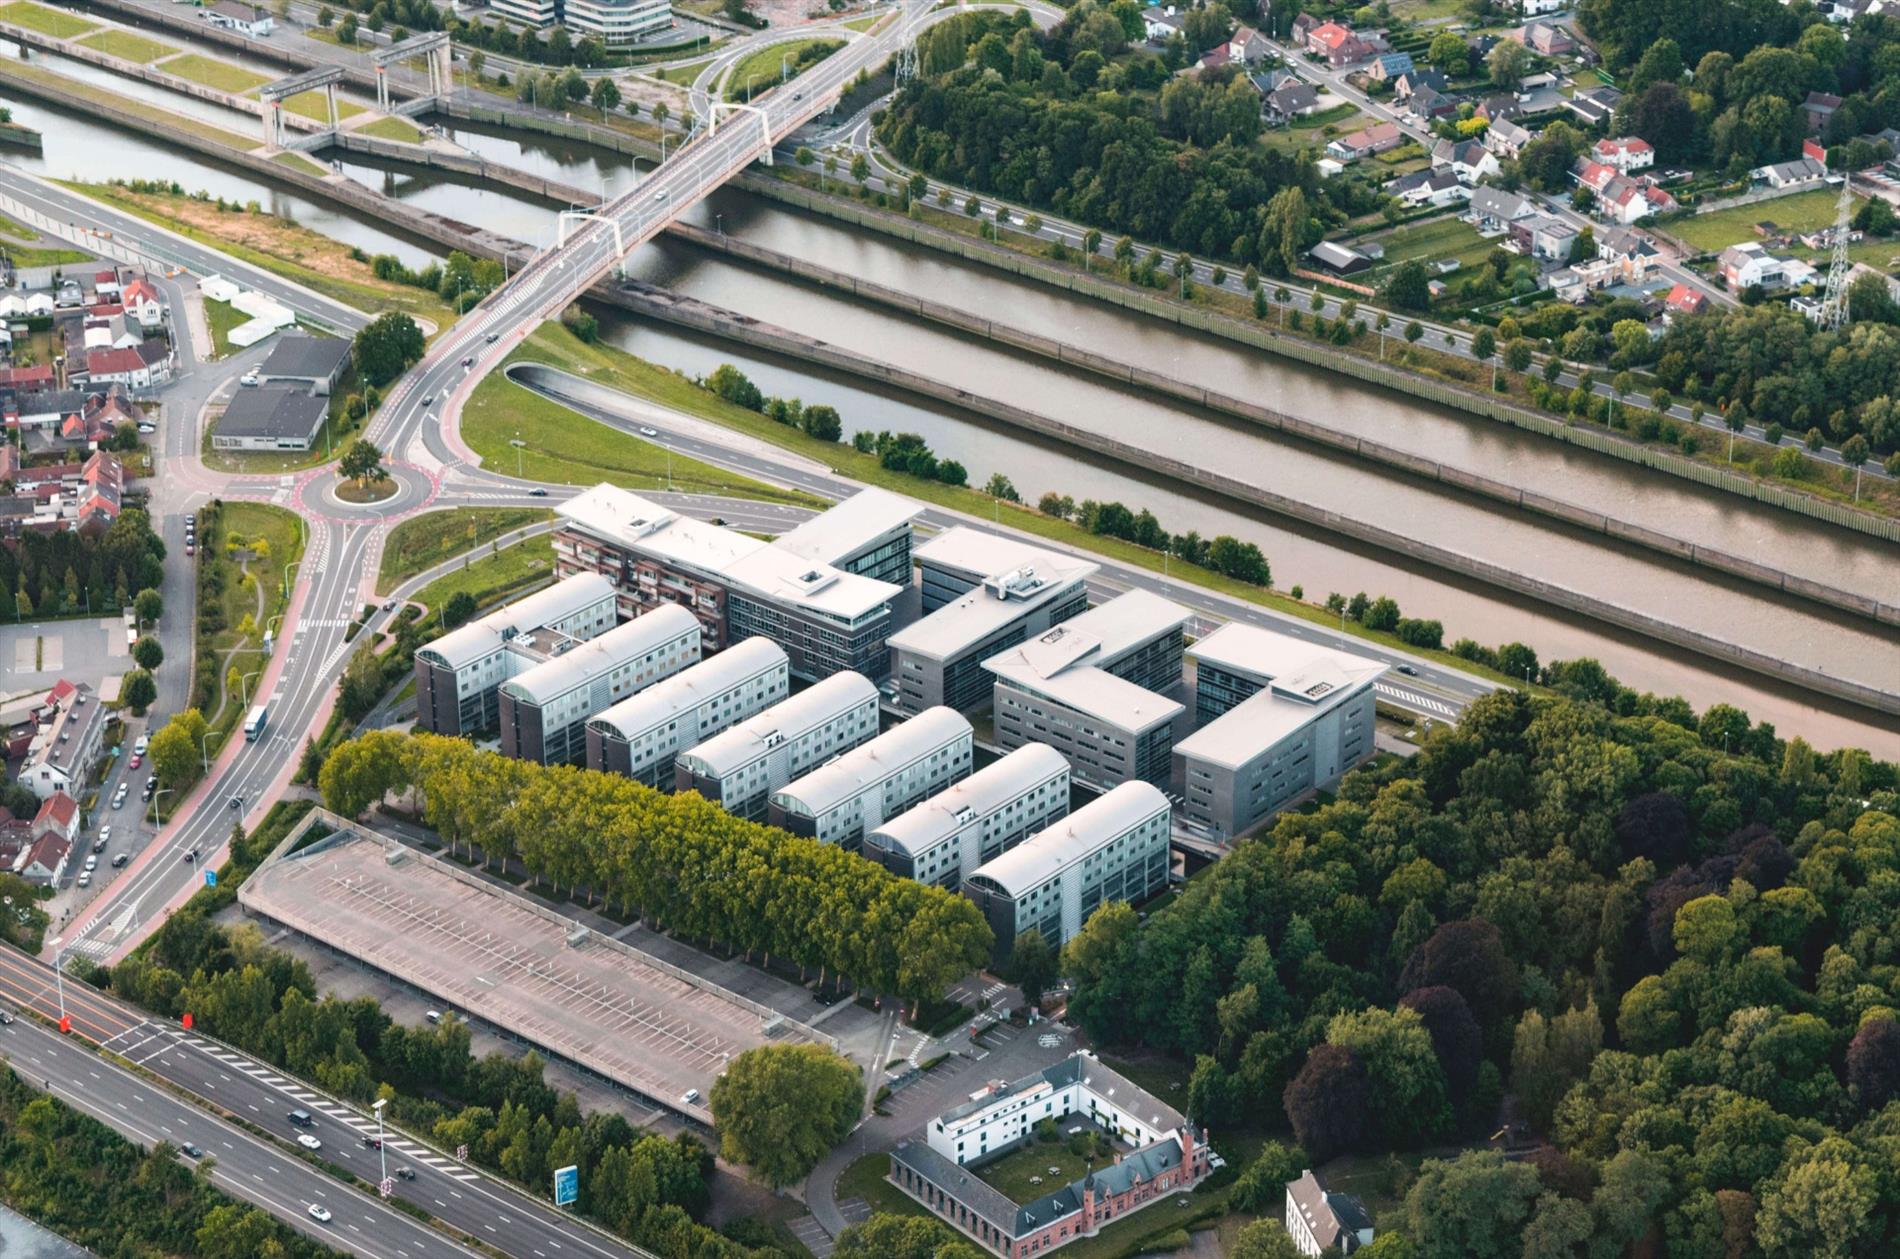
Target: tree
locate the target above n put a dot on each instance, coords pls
(1854, 453)
(1032, 965)
(1329, 1102)
(780, 1108)
(148, 606)
(1549, 1055)
(1873, 1063)
(148, 653)
(1473, 1207)
(1467, 956)
(903, 1237)
(362, 462)
(386, 347)
(1264, 1239)
(176, 752)
(1410, 286)
(1450, 53)
(1406, 1086)
(138, 690)
(606, 96)
(1456, 1038)
(460, 607)
(1507, 62)
(1517, 354)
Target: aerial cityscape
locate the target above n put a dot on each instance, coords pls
(945, 629)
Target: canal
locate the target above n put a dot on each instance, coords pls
(76, 147)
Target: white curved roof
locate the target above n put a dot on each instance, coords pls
(468, 643)
(989, 789)
(792, 719)
(598, 656)
(831, 784)
(667, 698)
(1045, 854)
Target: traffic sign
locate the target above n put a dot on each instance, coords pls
(567, 1185)
(461, 1154)
(65, 1023)
(186, 1020)
(387, 1187)
(211, 877)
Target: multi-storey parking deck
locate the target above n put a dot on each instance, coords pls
(630, 1018)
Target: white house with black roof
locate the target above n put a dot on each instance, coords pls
(1318, 1221)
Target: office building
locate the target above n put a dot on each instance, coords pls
(740, 769)
(979, 819)
(544, 710)
(1288, 719)
(457, 674)
(642, 734)
(1090, 688)
(615, 23)
(892, 773)
(1169, 1157)
(1025, 590)
(827, 617)
(1115, 848)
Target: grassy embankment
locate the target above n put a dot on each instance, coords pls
(421, 542)
(760, 71)
(564, 447)
(556, 346)
(232, 613)
(129, 47)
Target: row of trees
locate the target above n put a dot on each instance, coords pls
(1669, 936)
(1226, 555)
(51, 574)
(641, 850)
(818, 420)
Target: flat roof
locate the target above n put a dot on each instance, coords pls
(669, 697)
(298, 356)
(273, 413)
(852, 525)
(766, 569)
(994, 786)
(468, 643)
(1300, 684)
(974, 616)
(1105, 633)
(1264, 654)
(812, 707)
(981, 554)
(1090, 690)
(838, 780)
(596, 657)
(1048, 852)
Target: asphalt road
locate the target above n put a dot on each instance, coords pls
(277, 1176)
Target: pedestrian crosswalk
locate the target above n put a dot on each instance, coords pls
(1414, 701)
(309, 1099)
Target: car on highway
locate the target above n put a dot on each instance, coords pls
(237, 802)
(469, 361)
(92, 863)
(191, 548)
(537, 492)
(118, 801)
(300, 1118)
(309, 1142)
(649, 432)
(6, 1017)
(191, 854)
(191, 519)
(137, 760)
(428, 399)
(1408, 670)
(148, 427)
(105, 835)
(372, 1143)
(191, 1151)
(248, 380)
(405, 1173)
(319, 1213)
(493, 337)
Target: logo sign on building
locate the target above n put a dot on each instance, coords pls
(567, 1185)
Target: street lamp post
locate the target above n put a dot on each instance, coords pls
(244, 686)
(155, 795)
(204, 748)
(382, 1152)
(518, 444)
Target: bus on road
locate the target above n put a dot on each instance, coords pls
(254, 724)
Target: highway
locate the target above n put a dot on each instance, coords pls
(276, 1176)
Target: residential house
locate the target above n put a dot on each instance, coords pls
(245, 19)
(1749, 265)
(43, 860)
(67, 294)
(1592, 175)
(1469, 160)
(1628, 154)
(38, 376)
(1683, 300)
(1248, 47)
(1438, 188)
(1625, 200)
(1576, 282)
(1507, 137)
(1594, 105)
(1537, 8)
(1291, 100)
(1548, 39)
(41, 304)
(100, 495)
(1495, 109)
(1378, 138)
(68, 743)
(1271, 79)
(1494, 210)
(1629, 252)
(1213, 59)
(125, 366)
(1543, 237)
(1158, 24)
(105, 286)
(110, 331)
(1387, 67)
(1304, 24)
(1819, 109)
(1319, 1221)
(1414, 79)
(1803, 170)
(1427, 105)
(1323, 38)
(1339, 258)
(141, 301)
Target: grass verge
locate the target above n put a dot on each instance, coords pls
(223, 318)
(312, 105)
(567, 448)
(61, 86)
(47, 21)
(129, 47)
(211, 72)
(760, 72)
(236, 603)
(494, 577)
(421, 542)
(392, 128)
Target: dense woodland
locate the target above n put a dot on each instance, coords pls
(47, 574)
(1663, 942)
(637, 849)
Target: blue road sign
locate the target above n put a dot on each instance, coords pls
(567, 1186)
(211, 878)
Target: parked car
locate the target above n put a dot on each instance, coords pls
(138, 758)
(120, 860)
(143, 742)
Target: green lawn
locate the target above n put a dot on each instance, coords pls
(28, 256)
(866, 22)
(283, 538)
(681, 75)
(67, 86)
(494, 577)
(421, 542)
(223, 317)
(1023, 1175)
(391, 128)
(16, 229)
(864, 1178)
(298, 161)
(567, 448)
(1431, 241)
(128, 46)
(311, 105)
(1798, 212)
(47, 21)
(760, 72)
(213, 73)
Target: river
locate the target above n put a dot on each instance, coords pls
(1843, 645)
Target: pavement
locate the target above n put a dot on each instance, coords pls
(272, 1171)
